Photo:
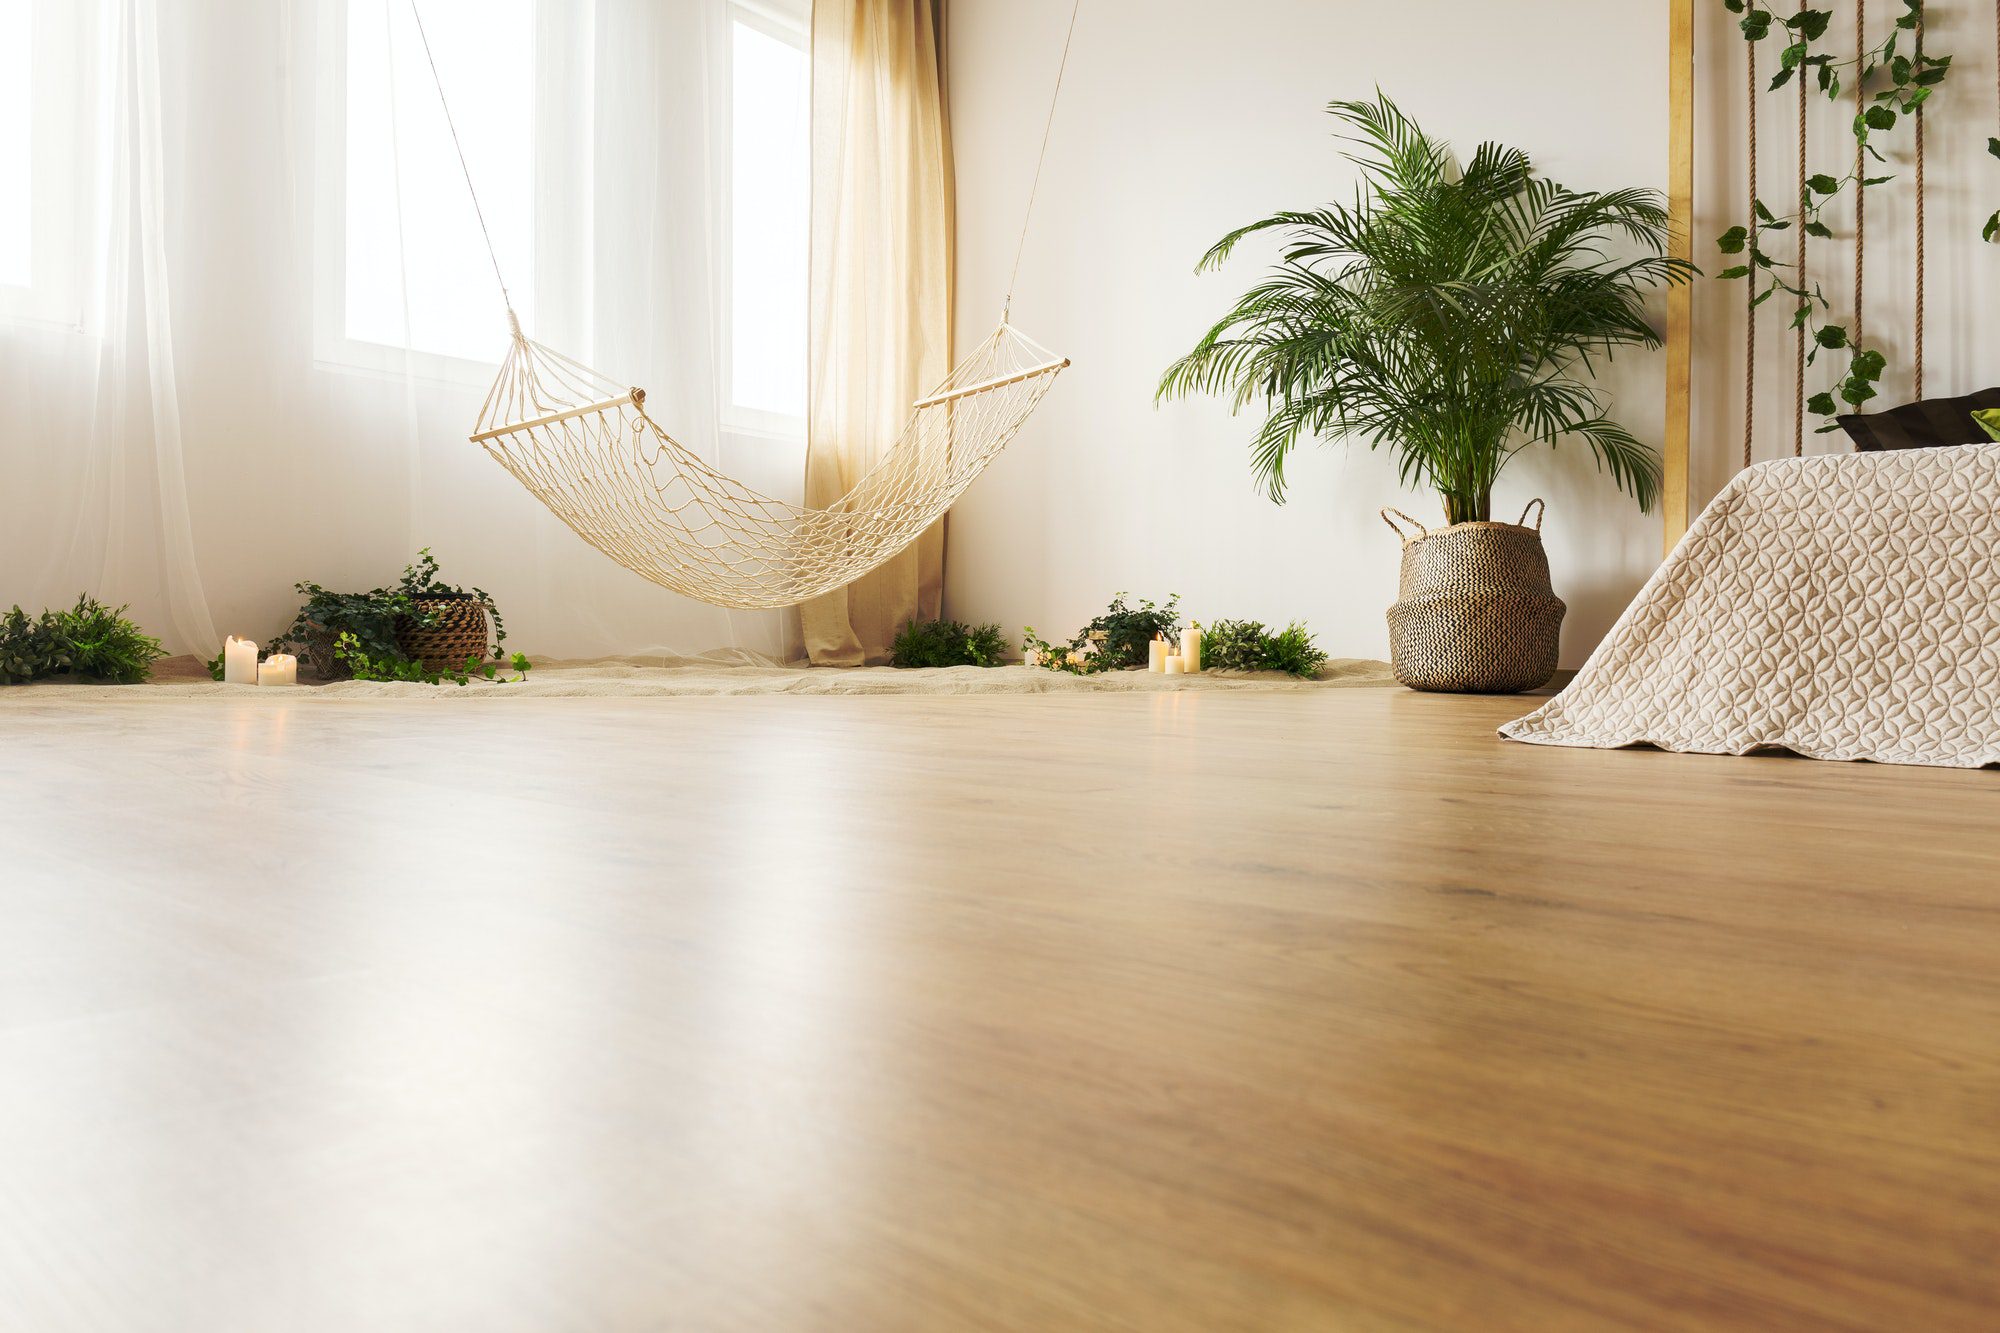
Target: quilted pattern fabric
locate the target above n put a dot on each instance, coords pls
(1842, 607)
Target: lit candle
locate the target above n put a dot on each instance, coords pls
(279, 669)
(1156, 654)
(1176, 666)
(239, 661)
(1191, 647)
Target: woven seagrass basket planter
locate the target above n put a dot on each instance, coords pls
(457, 631)
(1476, 613)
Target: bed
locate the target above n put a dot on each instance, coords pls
(1841, 607)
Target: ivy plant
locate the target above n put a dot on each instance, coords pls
(1913, 76)
(368, 619)
(1112, 641)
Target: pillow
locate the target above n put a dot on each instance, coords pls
(1989, 421)
(1921, 425)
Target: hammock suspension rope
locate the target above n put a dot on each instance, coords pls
(586, 446)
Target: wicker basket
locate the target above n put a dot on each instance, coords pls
(1476, 614)
(457, 631)
(319, 654)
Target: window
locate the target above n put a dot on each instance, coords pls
(17, 119)
(769, 216)
(405, 279)
(46, 128)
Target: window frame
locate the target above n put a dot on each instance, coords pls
(789, 21)
(560, 45)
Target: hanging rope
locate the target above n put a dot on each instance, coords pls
(459, 148)
(1799, 354)
(1920, 216)
(585, 445)
(1028, 214)
(1860, 165)
(1750, 287)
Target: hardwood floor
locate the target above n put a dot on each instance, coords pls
(1220, 1012)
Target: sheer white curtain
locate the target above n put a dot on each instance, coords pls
(185, 422)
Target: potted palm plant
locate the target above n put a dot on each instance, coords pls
(1454, 317)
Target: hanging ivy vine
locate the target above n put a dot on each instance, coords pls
(1912, 76)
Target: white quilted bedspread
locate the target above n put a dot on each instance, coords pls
(1843, 607)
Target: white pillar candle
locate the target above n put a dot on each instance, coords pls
(1156, 655)
(239, 661)
(1191, 648)
(279, 669)
(1176, 666)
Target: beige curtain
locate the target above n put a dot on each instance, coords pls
(881, 287)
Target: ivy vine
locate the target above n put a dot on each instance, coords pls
(1913, 76)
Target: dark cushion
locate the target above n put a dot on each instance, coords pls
(1922, 425)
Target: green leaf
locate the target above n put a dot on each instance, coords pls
(1993, 147)
(1822, 184)
(1783, 77)
(1831, 335)
(1810, 24)
(1821, 404)
(1819, 229)
(1756, 25)
(1870, 364)
(1739, 271)
(1992, 228)
(1880, 118)
(1731, 242)
(1764, 214)
(1733, 6)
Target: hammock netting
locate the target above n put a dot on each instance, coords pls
(587, 448)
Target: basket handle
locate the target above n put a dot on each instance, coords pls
(1422, 531)
(1541, 511)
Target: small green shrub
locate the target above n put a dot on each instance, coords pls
(30, 647)
(1292, 650)
(90, 639)
(1245, 645)
(946, 643)
(1233, 645)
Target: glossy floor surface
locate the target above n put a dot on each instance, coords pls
(1203, 1013)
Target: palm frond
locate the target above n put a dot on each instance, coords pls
(1453, 317)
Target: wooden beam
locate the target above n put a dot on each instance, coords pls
(1014, 377)
(633, 396)
(1680, 299)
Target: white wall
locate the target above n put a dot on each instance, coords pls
(1179, 120)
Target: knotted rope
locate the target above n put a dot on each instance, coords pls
(1799, 352)
(1750, 297)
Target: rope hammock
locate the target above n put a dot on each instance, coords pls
(585, 446)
